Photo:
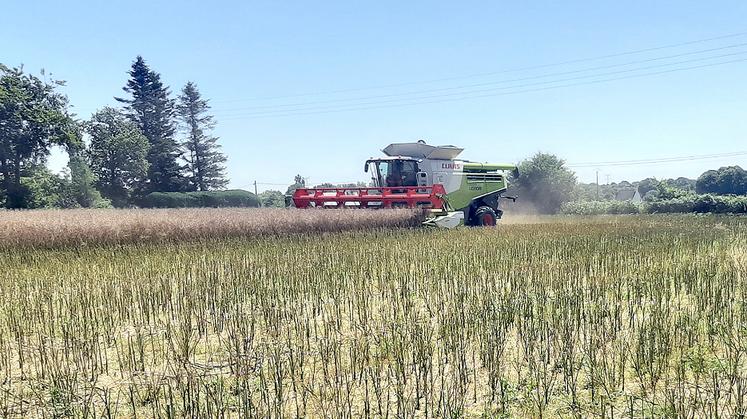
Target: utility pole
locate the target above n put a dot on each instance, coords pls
(597, 185)
(256, 194)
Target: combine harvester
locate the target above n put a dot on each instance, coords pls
(418, 175)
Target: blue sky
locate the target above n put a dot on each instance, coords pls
(317, 87)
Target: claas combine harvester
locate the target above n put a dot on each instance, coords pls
(417, 175)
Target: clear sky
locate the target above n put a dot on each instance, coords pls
(317, 87)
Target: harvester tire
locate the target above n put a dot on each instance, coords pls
(484, 217)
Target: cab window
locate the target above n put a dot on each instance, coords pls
(401, 173)
(409, 173)
(383, 168)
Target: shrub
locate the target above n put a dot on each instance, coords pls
(716, 204)
(701, 204)
(215, 199)
(599, 207)
(724, 181)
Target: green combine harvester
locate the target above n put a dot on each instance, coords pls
(418, 175)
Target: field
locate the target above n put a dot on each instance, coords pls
(627, 316)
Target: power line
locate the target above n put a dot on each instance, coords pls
(527, 68)
(534, 67)
(490, 83)
(334, 110)
(291, 183)
(270, 112)
(657, 160)
(274, 184)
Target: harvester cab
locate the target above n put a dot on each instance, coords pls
(395, 171)
(418, 175)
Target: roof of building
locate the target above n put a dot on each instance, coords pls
(625, 194)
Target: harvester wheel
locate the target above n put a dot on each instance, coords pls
(484, 217)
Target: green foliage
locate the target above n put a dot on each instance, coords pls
(650, 189)
(151, 108)
(651, 195)
(730, 180)
(298, 182)
(592, 192)
(229, 198)
(79, 190)
(545, 182)
(599, 207)
(700, 203)
(205, 162)
(665, 191)
(128, 156)
(272, 199)
(680, 203)
(42, 188)
(118, 155)
(682, 183)
(647, 185)
(34, 116)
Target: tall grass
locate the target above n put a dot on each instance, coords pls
(632, 316)
(54, 228)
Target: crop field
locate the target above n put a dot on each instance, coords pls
(57, 228)
(628, 316)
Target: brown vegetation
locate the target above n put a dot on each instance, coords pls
(52, 228)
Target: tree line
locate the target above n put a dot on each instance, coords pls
(152, 143)
(547, 186)
(155, 144)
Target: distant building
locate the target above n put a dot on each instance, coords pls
(630, 195)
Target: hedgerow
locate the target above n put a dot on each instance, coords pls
(715, 204)
(599, 207)
(215, 199)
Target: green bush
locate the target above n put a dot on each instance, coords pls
(716, 204)
(599, 207)
(215, 199)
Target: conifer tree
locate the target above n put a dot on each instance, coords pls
(151, 108)
(205, 162)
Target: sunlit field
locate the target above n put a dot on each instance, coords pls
(573, 317)
(56, 228)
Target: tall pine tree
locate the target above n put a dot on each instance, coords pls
(205, 162)
(151, 108)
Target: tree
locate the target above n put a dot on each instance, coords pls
(272, 199)
(730, 180)
(44, 189)
(298, 182)
(646, 185)
(33, 117)
(707, 182)
(682, 183)
(79, 190)
(665, 191)
(733, 180)
(652, 195)
(151, 108)
(205, 162)
(118, 154)
(545, 182)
